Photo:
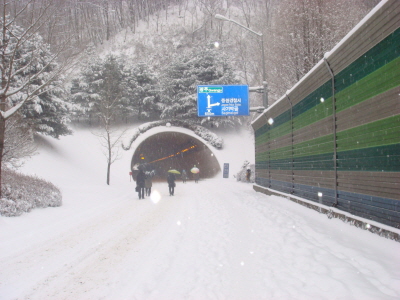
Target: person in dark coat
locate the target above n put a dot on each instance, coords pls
(148, 183)
(196, 176)
(140, 183)
(171, 183)
(184, 176)
(248, 174)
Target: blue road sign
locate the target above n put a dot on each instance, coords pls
(222, 100)
(226, 170)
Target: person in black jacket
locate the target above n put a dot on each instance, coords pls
(248, 175)
(171, 183)
(148, 183)
(184, 176)
(140, 183)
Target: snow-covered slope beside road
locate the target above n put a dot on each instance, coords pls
(217, 239)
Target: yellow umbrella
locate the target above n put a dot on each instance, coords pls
(173, 171)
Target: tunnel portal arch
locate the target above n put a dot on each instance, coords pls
(170, 149)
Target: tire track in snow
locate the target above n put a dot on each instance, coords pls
(44, 265)
(190, 249)
(104, 271)
(231, 243)
(222, 248)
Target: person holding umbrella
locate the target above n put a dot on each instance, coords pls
(196, 173)
(171, 181)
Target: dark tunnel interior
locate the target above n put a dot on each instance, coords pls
(174, 150)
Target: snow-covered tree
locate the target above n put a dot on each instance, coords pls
(302, 32)
(110, 140)
(203, 66)
(18, 142)
(83, 92)
(33, 80)
(32, 83)
(49, 112)
(142, 91)
(101, 90)
(28, 67)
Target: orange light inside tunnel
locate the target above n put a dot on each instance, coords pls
(172, 155)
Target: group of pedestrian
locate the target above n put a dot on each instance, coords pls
(144, 181)
(185, 176)
(171, 179)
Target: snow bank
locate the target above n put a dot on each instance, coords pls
(22, 193)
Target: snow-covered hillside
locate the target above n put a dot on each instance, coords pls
(217, 239)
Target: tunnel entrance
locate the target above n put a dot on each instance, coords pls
(175, 150)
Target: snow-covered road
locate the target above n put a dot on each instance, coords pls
(217, 239)
(214, 240)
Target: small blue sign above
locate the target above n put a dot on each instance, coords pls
(222, 100)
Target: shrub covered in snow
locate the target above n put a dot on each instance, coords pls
(201, 131)
(22, 193)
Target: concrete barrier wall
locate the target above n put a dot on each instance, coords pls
(335, 136)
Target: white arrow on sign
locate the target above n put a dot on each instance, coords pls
(209, 102)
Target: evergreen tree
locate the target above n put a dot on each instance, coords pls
(48, 113)
(142, 91)
(101, 89)
(45, 110)
(28, 72)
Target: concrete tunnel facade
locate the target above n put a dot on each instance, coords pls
(176, 150)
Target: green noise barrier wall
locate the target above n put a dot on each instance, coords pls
(335, 136)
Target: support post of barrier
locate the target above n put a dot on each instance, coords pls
(291, 125)
(269, 150)
(334, 128)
